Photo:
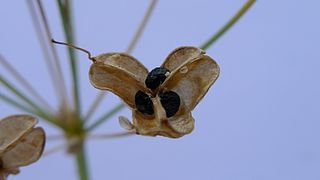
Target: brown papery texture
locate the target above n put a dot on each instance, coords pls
(26, 150)
(13, 128)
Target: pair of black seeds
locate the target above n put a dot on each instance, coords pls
(169, 100)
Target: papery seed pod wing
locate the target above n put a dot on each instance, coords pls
(12, 128)
(182, 124)
(26, 150)
(180, 56)
(119, 73)
(192, 80)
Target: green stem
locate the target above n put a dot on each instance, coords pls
(18, 93)
(16, 104)
(28, 110)
(52, 59)
(38, 110)
(106, 116)
(228, 25)
(65, 13)
(141, 26)
(28, 87)
(82, 165)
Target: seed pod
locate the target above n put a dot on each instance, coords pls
(20, 143)
(161, 102)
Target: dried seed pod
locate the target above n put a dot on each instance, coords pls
(191, 75)
(20, 143)
(161, 102)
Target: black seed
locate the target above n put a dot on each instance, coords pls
(144, 103)
(156, 77)
(170, 102)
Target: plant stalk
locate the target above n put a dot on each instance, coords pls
(65, 13)
(82, 164)
(228, 25)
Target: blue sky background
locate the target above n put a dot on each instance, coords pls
(260, 120)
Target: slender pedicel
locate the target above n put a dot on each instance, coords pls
(75, 47)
